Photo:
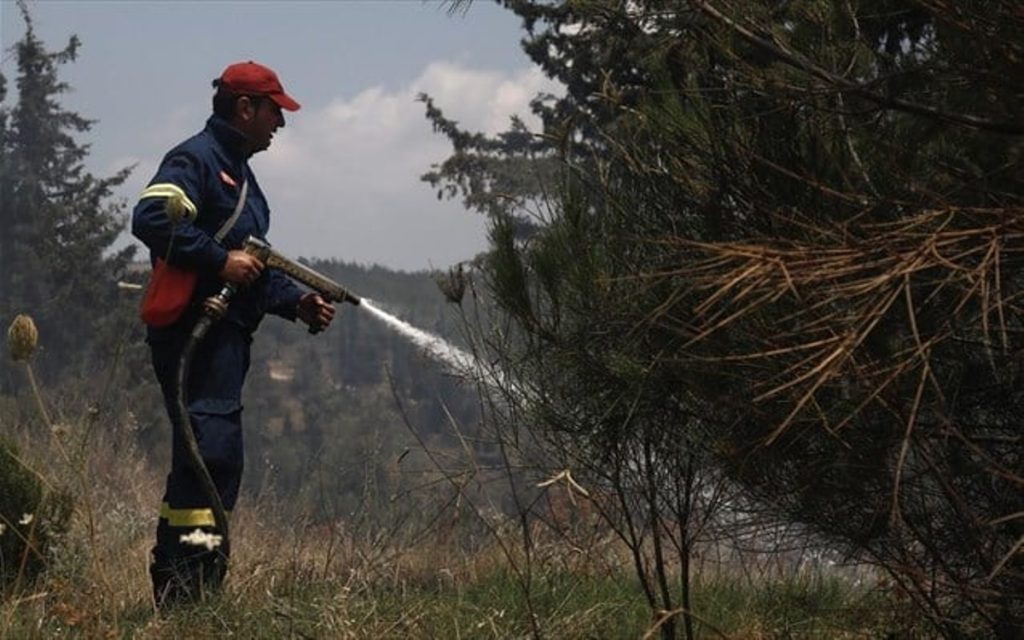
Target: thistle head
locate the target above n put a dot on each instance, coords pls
(22, 337)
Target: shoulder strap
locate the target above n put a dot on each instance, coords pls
(230, 222)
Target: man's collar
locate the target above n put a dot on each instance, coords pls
(231, 139)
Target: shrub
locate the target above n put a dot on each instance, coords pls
(32, 518)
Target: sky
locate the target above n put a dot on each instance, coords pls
(343, 176)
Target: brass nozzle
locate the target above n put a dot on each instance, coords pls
(329, 289)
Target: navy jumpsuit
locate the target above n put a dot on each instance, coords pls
(204, 175)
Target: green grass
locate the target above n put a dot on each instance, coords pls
(491, 605)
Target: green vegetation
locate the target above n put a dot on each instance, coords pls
(296, 585)
(32, 520)
(568, 607)
(768, 258)
(748, 334)
(58, 221)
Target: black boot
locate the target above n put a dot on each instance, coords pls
(186, 580)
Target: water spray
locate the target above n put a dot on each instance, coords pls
(435, 346)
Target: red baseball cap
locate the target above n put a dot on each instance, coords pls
(250, 78)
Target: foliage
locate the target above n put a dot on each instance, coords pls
(323, 429)
(343, 586)
(57, 218)
(32, 520)
(790, 232)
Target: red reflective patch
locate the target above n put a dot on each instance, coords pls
(228, 179)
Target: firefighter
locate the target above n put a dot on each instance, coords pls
(194, 215)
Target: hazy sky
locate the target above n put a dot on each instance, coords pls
(343, 176)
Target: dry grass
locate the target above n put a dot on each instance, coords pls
(305, 580)
(295, 578)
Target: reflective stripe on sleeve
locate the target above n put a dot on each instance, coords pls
(178, 204)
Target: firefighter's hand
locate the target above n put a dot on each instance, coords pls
(241, 268)
(316, 312)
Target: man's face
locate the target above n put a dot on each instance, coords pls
(259, 117)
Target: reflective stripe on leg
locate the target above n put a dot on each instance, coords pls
(197, 517)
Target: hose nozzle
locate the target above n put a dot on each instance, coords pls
(329, 289)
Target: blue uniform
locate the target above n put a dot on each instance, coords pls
(203, 178)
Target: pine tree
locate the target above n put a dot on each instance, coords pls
(800, 223)
(58, 220)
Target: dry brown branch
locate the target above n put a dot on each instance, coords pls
(875, 360)
(846, 291)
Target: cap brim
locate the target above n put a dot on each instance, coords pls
(285, 101)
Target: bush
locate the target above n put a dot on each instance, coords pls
(32, 519)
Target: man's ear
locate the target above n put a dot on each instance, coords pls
(245, 109)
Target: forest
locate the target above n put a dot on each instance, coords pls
(746, 348)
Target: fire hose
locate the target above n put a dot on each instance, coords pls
(214, 309)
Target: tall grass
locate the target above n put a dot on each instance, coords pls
(294, 578)
(395, 575)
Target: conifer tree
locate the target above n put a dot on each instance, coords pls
(58, 219)
(799, 223)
